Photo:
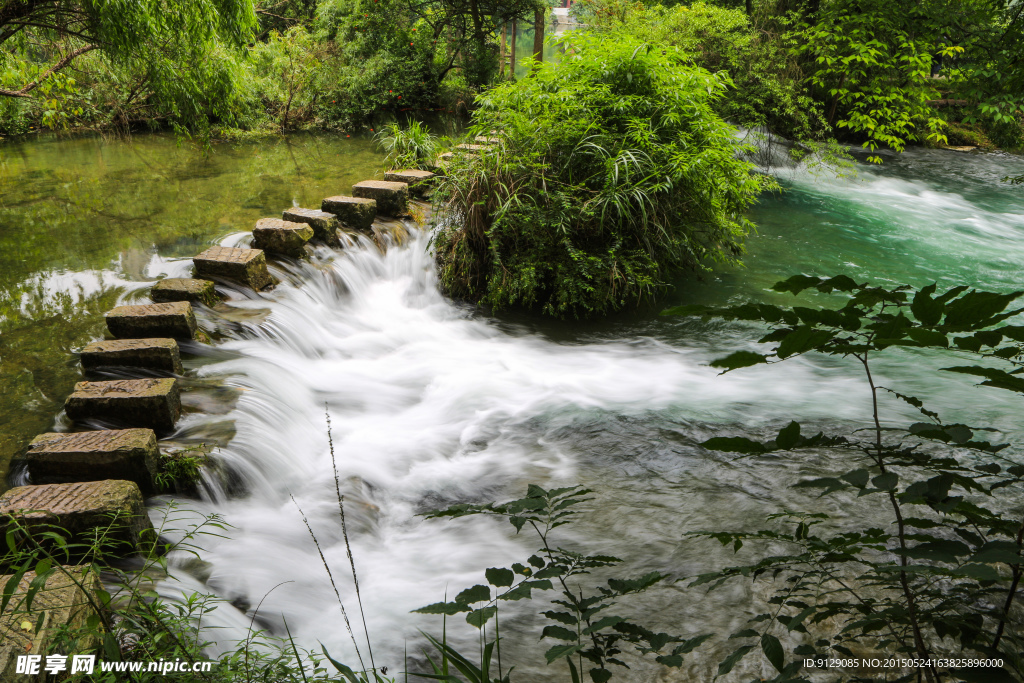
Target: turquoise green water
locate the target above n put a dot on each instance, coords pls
(82, 220)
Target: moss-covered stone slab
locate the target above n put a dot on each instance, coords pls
(354, 212)
(276, 236)
(472, 149)
(325, 225)
(128, 454)
(392, 198)
(246, 266)
(64, 603)
(146, 321)
(161, 355)
(79, 509)
(418, 181)
(184, 289)
(153, 403)
(484, 140)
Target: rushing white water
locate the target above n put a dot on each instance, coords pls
(432, 404)
(429, 405)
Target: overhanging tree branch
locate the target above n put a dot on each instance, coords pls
(24, 92)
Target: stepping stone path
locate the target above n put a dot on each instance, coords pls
(84, 481)
(483, 140)
(184, 289)
(153, 403)
(417, 180)
(127, 454)
(247, 266)
(174, 319)
(356, 213)
(392, 198)
(325, 225)
(151, 354)
(472, 149)
(79, 508)
(276, 236)
(60, 604)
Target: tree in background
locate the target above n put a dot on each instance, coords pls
(173, 53)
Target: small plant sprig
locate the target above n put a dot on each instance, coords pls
(585, 625)
(941, 578)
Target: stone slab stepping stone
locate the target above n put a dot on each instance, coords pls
(184, 289)
(152, 354)
(147, 321)
(392, 198)
(325, 225)
(417, 180)
(483, 140)
(247, 266)
(276, 236)
(153, 403)
(355, 212)
(79, 509)
(472, 149)
(128, 454)
(60, 604)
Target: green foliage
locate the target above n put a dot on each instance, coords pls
(412, 146)
(941, 577)
(634, 177)
(580, 626)
(180, 470)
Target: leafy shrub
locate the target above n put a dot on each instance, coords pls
(411, 147)
(612, 171)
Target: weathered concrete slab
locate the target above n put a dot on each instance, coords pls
(392, 198)
(247, 266)
(153, 354)
(276, 236)
(325, 225)
(147, 321)
(418, 181)
(472, 149)
(483, 140)
(128, 454)
(153, 403)
(355, 212)
(61, 604)
(80, 508)
(184, 289)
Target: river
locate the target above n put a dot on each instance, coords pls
(432, 402)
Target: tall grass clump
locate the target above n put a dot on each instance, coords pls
(413, 146)
(611, 171)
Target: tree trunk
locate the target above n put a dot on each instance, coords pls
(512, 57)
(504, 52)
(538, 36)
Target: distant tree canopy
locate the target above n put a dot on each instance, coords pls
(122, 30)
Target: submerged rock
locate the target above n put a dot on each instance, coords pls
(153, 354)
(276, 236)
(355, 212)
(128, 454)
(153, 403)
(392, 198)
(246, 266)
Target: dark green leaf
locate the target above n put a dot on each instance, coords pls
(772, 649)
(739, 359)
(789, 436)
(497, 576)
(732, 660)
